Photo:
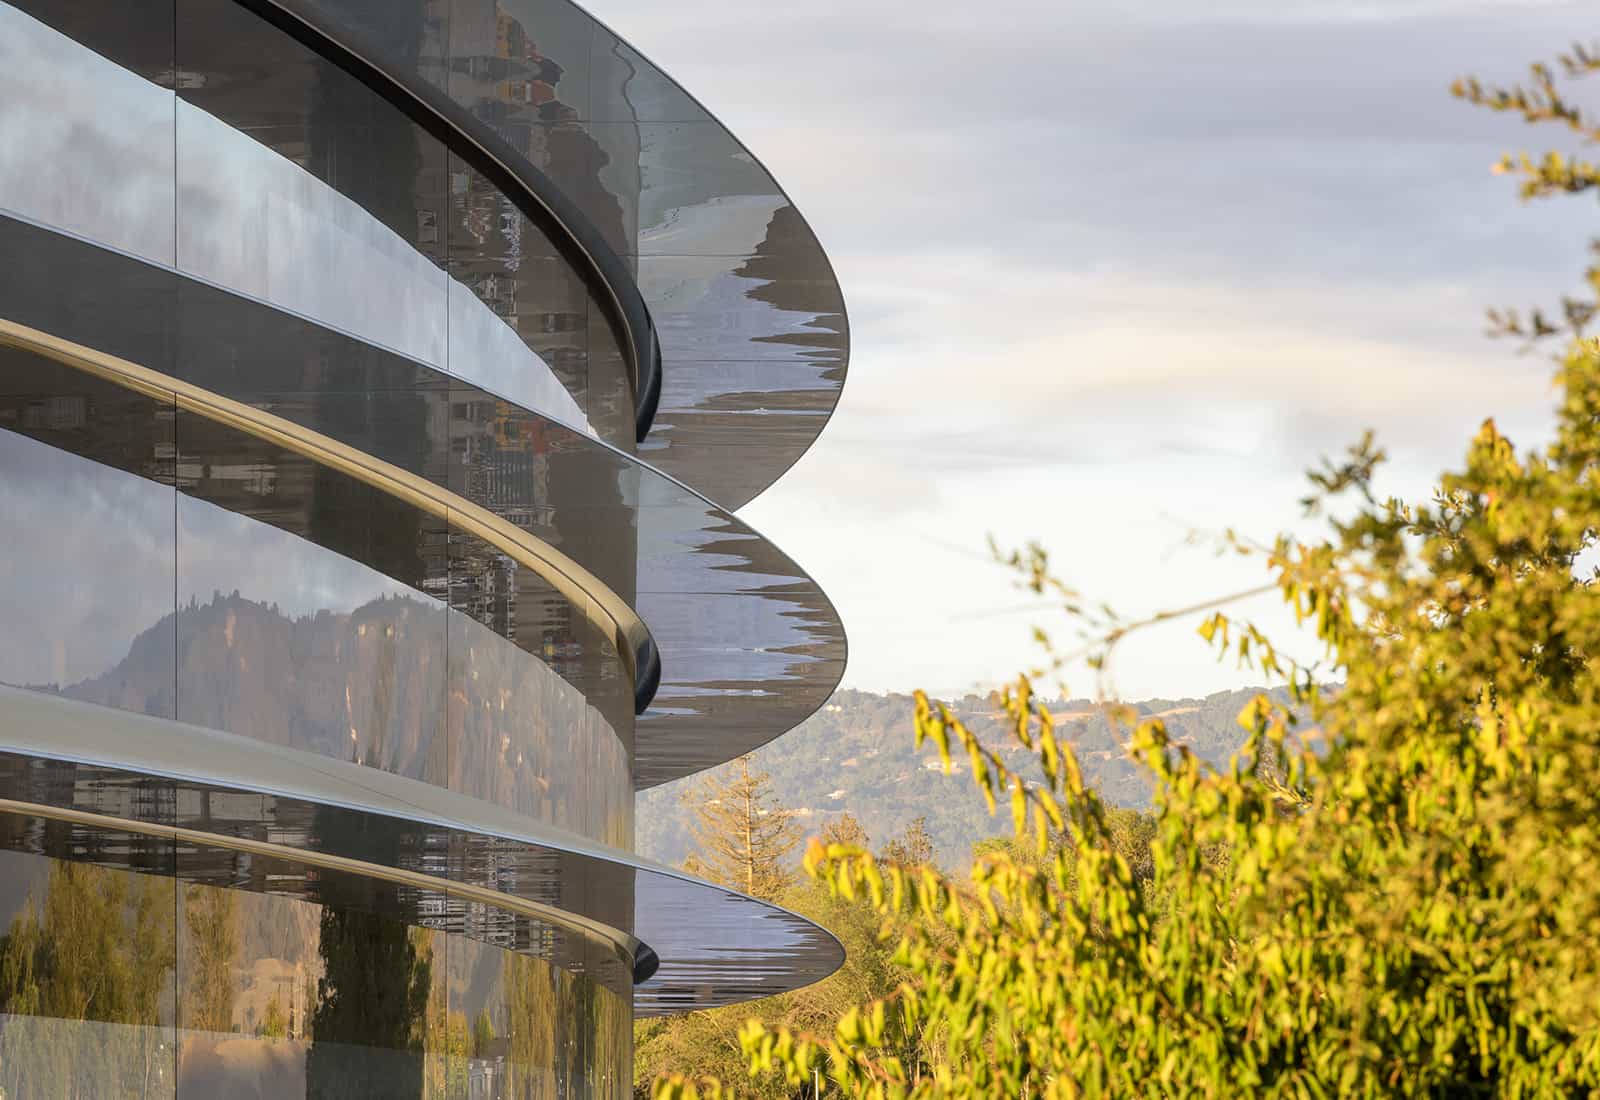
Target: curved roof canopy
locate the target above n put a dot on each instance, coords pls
(751, 322)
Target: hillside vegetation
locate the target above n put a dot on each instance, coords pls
(856, 755)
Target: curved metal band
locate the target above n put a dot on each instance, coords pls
(533, 192)
(587, 594)
(628, 948)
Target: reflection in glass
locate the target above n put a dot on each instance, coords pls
(305, 190)
(86, 491)
(136, 34)
(534, 1030)
(86, 980)
(120, 983)
(259, 224)
(521, 736)
(699, 192)
(281, 640)
(368, 1023)
(85, 145)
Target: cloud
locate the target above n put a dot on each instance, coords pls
(1115, 270)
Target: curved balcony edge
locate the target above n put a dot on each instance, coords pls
(541, 200)
(769, 477)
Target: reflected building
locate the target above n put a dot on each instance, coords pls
(378, 381)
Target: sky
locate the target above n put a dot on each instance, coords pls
(1117, 274)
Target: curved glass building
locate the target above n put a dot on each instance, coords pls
(378, 379)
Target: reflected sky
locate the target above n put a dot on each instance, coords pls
(77, 629)
(89, 147)
(1121, 270)
(223, 550)
(71, 122)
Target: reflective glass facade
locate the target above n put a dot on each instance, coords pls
(375, 383)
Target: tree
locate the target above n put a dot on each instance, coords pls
(846, 829)
(372, 1001)
(743, 835)
(274, 1025)
(913, 847)
(99, 950)
(709, 1040)
(482, 1034)
(531, 1024)
(212, 916)
(1393, 897)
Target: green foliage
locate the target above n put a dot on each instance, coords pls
(274, 1024)
(1542, 100)
(211, 917)
(82, 977)
(482, 1034)
(1393, 897)
(846, 829)
(709, 1041)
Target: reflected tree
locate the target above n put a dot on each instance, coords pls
(210, 949)
(530, 1027)
(82, 977)
(372, 999)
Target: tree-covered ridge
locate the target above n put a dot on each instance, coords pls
(856, 756)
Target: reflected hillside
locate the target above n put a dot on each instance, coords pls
(369, 686)
(353, 685)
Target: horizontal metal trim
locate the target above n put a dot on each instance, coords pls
(587, 594)
(624, 944)
(491, 155)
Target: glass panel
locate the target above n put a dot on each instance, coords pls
(732, 308)
(698, 193)
(259, 82)
(86, 144)
(86, 575)
(611, 407)
(628, 88)
(86, 963)
(334, 209)
(411, 35)
(89, 295)
(489, 352)
(517, 64)
(285, 997)
(536, 1030)
(310, 614)
(135, 34)
(511, 281)
(283, 641)
(248, 969)
(655, 175)
(536, 694)
(242, 349)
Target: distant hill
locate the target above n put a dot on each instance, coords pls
(856, 755)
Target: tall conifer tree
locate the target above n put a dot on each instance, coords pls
(743, 835)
